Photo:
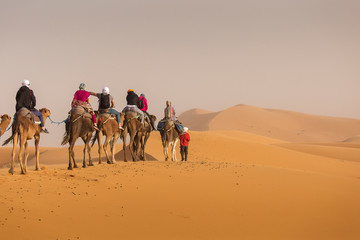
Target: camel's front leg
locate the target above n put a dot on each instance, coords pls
(37, 152)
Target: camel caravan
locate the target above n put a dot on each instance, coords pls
(133, 122)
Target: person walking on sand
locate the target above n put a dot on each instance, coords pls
(25, 98)
(82, 98)
(184, 144)
(107, 104)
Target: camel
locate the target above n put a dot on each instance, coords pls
(131, 126)
(144, 135)
(23, 129)
(110, 128)
(169, 137)
(5, 121)
(78, 125)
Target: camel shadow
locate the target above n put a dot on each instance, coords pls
(120, 156)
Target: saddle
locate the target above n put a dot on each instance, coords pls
(106, 116)
(79, 110)
(24, 112)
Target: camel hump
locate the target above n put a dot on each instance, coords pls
(77, 110)
(24, 112)
(107, 115)
(131, 114)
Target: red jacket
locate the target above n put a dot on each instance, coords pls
(184, 139)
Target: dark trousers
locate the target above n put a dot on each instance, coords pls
(184, 152)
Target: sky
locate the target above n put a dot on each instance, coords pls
(299, 55)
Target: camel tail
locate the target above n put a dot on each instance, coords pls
(66, 138)
(15, 129)
(93, 139)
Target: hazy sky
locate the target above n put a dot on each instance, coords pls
(300, 55)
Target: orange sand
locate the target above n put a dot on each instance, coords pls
(236, 185)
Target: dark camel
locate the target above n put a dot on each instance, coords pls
(79, 125)
(144, 135)
(110, 128)
(131, 126)
(169, 137)
(5, 121)
(23, 129)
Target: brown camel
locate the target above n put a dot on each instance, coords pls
(131, 126)
(169, 137)
(23, 129)
(110, 128)
(5, 121)
(144, 135)
(79, 125)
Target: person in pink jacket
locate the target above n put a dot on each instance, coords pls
(144, 107)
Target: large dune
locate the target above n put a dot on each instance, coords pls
(278, 124)
(236, 185)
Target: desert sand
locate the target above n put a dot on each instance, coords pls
(301, 180)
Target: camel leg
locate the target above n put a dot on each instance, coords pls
(37, 152)
(107, 140)
(132, 148)
(144, 145)
(72, 155)
(137, 146)
(26, 155)
(87, 144)
(15, 142)
(99, 145)
(166, 153)
(113, 142)
(124, 148)
(173, 154)
(21, 152)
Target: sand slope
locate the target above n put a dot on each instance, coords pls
(236, 185)
(279, 124)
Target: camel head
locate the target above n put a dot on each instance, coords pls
(45, 112)
(5, 117)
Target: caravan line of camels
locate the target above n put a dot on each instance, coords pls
(79, 125)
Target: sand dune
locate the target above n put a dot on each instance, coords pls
(279, 124)
(236, 185)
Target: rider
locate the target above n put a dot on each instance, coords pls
(132, 100)
(82, 98)
(145, 108)
(25, 98)
(169, 112)
(107, 104)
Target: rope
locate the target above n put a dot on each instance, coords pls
(58, 123)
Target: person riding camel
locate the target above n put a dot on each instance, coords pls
(107, 104)
(82, 98)
(25, 98)
(169, 115)
(144, 104)
(132, 100)
(169, 112)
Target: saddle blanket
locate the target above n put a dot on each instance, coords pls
(80, 111)
(24, 112)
